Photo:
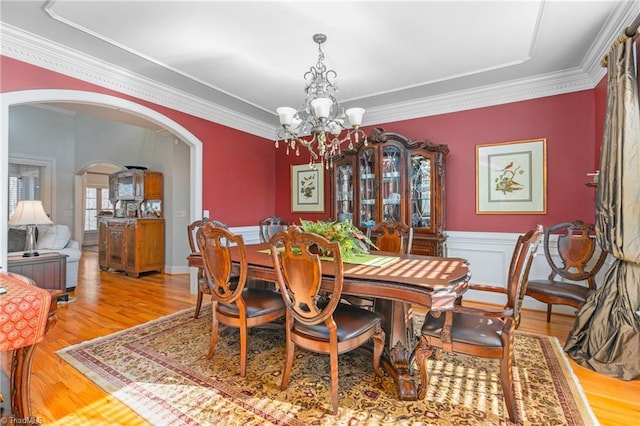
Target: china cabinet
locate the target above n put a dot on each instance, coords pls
(132, 238)
(393, 178)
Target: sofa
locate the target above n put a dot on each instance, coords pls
(50, 238)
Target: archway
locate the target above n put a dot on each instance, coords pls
(75, 96)
(82, 181)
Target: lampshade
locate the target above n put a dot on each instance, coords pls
(29, 212)
(286, 115)
(355, 116)
(321, 107)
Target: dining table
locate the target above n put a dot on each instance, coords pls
(395, 283)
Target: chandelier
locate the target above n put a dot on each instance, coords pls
(318, 124)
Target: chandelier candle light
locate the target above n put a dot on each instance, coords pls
(317, 125)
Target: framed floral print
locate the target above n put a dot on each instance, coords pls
(511, 177)
(307, 189)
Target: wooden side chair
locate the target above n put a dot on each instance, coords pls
(579, 259)
(270, 226)
(203, 286)
(315, 320)
(395, 237)
(233, 304)
(483, 332)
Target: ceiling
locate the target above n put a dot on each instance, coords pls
(396, 59)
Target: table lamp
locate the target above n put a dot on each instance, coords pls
(30, 213)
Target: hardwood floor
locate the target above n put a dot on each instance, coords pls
(109, 302)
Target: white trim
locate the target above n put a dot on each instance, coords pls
(48, 187)
(24, 46)
(9, 99)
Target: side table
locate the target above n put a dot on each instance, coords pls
(48, 270)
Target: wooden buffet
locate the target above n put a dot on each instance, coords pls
(132, 238)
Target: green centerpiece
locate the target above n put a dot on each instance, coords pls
(352, 241)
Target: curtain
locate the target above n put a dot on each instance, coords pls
(606, 334)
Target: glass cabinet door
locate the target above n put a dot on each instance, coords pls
(367, 188)
(420, 191)
(125, 189)
(391, 198)
(344, 192)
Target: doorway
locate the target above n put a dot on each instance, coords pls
(75, 96)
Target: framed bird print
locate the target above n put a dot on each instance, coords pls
(307, 189)
(511, 177)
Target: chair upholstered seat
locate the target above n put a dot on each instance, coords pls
(575, 258)
(469, 329)
(258, 301)
(203, 285)
(545, 289)
(486, 333)
(314, 321)
(351, 321)
(233, 304)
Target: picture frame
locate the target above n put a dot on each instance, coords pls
(511, 177)
(307, 189)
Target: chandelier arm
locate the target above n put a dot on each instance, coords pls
(321, 116)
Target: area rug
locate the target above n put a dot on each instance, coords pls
(160, 370)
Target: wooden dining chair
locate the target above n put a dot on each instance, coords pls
(395, 237)
(270, 226)
(317, 320)
(203, 286)
(486, 333)
(234, 304)
(578, 261)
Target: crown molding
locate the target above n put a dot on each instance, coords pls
(27, 47)
(491, 95)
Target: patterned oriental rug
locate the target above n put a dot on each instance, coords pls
(160, 370)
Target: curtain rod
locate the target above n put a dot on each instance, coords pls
(629, 32)
(632, 29)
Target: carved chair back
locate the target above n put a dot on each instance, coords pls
(487, 333)
(270, 226)
(192, 228)
(298, 270)
(214, 243)
(395, 237)
(579, 257)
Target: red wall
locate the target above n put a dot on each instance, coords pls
(238, 174)
(238, 180)
(566, 121)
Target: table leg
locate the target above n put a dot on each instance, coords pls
(397, 323)
(21, 382)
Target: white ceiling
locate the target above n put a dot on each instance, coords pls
(396, 59)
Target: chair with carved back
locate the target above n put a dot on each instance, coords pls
(270, 226)
(233, 303)
(578, 261)
(317, 320)
(203, 286)
(486, 333)
(395, 237)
